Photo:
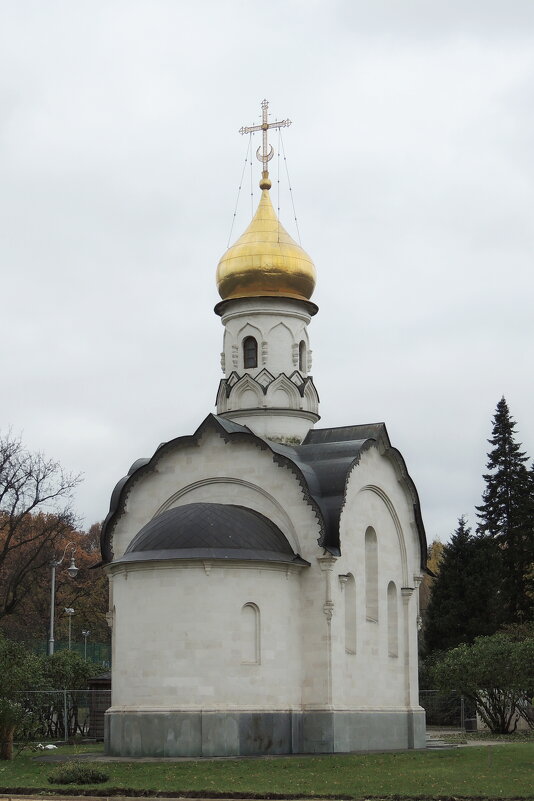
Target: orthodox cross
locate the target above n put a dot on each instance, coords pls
(265, 152)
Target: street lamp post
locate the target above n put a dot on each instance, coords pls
(85, 634)
(72, 570)
(69, 611)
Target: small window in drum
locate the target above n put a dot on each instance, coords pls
(250, 352)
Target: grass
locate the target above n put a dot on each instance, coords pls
(501, 771)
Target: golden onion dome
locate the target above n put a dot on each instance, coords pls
(265, 260)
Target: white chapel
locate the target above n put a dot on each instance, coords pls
(264, 572)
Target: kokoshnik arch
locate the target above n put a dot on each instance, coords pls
(264, 573)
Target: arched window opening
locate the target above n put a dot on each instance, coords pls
(250, 352)
(302, 356)
(371, 576)
(350, 615)
(250, 634)
(393, 622)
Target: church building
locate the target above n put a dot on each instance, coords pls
(264, 572)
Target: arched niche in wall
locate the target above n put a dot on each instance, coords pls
(113, 625)
(281, 341)
(250, 634)
(246, 393)
(303, 357)
(248, 399)
(398, 528)
(350, 614)
(371, 575)
(311, 398)
(283, 393)
(393, 620)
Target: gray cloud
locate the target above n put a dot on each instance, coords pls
(411, 163)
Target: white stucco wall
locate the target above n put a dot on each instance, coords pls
(181, 641)
(376, 497)
(177, 635)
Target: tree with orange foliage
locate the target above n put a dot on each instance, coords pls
(35, 514)
(36, 525)
(87, 594)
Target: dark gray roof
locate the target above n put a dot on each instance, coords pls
(211, 531)
(329, 454)
(322, 464)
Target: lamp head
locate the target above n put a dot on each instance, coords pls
(72, 570)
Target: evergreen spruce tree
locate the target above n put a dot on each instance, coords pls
(463, 603)
(506, 516)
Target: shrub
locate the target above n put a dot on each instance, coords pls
(77, 773)
(20, 670)
(495, 674)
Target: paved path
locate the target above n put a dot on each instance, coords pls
(42, 797)
(47, 797)
(433, 742)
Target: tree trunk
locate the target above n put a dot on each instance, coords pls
(6, 742)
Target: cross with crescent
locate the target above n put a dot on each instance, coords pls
(267, 152)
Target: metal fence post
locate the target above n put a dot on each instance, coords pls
(65, 721)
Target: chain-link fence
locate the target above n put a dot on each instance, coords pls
(63, 714)
(68, 714)
(97, 652)
(447, 709)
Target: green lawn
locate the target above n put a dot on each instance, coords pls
(501, 771)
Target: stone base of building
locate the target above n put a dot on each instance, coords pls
(209, 734)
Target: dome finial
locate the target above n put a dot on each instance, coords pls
(265, 261)
(265, 152)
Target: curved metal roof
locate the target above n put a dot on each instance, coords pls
(322, 464)
(210, 531)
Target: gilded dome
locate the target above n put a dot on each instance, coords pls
(265, 260)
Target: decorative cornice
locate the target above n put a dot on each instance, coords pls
(327, 561)
(343, 578)
(280, 411)
(117, 569)
(225, 306)
(296, 378)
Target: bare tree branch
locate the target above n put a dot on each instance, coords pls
(35, 513)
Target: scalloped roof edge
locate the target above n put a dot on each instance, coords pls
(321, 464)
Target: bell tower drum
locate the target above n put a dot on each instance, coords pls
(266, 280)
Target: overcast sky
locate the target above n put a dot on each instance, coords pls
(412, 166)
